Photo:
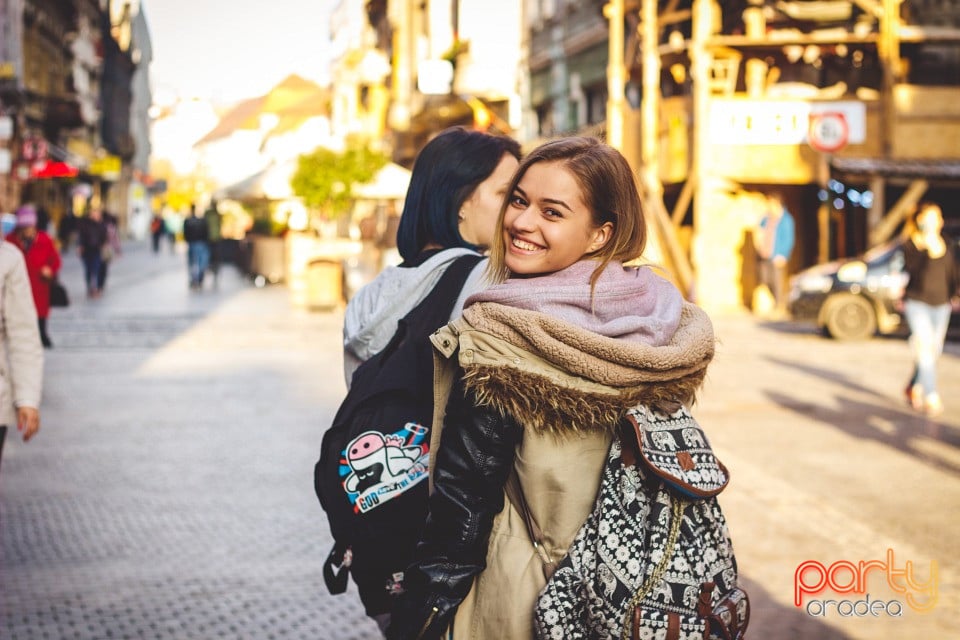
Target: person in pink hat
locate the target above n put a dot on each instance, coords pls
(43, 263)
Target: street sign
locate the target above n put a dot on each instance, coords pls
(828, 132)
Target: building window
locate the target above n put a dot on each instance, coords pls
(596, 100)
(545, 126)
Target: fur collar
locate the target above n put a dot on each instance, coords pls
(558, 378)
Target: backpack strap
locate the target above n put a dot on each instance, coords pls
(445, 344)
(434, 310)
(519, 501)
(430, 314)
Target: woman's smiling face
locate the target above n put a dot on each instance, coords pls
(547, 225)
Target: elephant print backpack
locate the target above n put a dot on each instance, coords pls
(653, 560)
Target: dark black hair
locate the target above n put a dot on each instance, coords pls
(445, 174)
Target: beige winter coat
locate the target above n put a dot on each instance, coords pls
(568, 418)
(21, 353)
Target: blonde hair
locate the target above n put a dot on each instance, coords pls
(912, 225)
(609, 188)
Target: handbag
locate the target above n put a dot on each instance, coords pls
(654, 559)
(58, 294)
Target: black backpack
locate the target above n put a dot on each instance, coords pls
(373, 466)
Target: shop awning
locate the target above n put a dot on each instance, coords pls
(390, 183)
(933, 170)
(270, 183)
(53, 169)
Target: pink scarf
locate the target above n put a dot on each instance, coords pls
(628, 303)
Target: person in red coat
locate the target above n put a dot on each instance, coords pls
(43, 263)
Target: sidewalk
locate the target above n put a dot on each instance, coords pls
(169, 492)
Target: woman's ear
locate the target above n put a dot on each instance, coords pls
(601, 235)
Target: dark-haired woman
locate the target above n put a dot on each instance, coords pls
(458, 183)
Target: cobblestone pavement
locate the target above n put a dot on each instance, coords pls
(169, 492)
(829, 464)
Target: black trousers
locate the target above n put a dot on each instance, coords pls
(44, 338)
(3, 436)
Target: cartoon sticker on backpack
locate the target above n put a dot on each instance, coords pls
(377, 467)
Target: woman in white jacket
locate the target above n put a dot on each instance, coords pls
(21, 353)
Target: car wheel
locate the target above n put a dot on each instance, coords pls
(850, 317)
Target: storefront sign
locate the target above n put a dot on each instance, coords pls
(107, 166)
(779, 122)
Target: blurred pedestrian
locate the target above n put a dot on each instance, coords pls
(774, 240)
(21, 353)
(66, 229)
(172, 225)
(157, 230)
(43, 219)
(43, 263)
(111, 248)
(934, 282)
(91, 238)
(212, 217)
(196, 235)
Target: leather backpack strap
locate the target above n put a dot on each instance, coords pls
(515, 494)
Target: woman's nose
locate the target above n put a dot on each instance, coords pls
(525, 218)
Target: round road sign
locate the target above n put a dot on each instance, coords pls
(828, 131)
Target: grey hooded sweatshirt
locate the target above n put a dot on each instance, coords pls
(372, 314)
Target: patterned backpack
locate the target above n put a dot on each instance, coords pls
(654, 559)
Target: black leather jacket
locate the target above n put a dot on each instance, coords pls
(473, 462)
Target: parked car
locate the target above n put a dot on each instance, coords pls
(856, 298)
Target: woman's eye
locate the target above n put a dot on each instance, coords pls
(517, 201)
(552, 213)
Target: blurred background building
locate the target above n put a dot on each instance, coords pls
(849, 108)
(73, 106)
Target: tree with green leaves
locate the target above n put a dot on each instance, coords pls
(324, 179)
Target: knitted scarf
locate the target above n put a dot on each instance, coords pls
(636, 337)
